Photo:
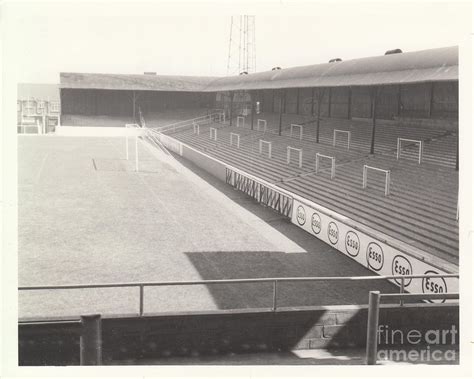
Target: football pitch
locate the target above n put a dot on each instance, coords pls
(86, 216)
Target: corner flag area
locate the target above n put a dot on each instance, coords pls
(86, 216)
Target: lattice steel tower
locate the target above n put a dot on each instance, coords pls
(242, 56)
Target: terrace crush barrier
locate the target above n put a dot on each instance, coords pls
(379, 253)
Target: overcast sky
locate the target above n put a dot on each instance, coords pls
(192, 39)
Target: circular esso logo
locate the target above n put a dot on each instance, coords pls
(352, 244)
(300, 215)
(402, 266)
(333, 233)
(434, 285)
(316, 223)
(374, 256)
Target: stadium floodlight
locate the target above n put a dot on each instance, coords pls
(412, 141)
(300, 155)
(292, 126)
(346, 132)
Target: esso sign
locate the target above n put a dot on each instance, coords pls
(434, 285)
(352, 244)
(375, 256)
(300, 215)
(333, 233)
(402, 266)
(316, 223)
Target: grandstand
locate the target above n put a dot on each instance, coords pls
(356, 113)
(360, 154)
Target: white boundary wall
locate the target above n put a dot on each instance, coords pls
(370, 252)
(98, 131)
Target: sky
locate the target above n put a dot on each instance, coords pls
(43, 39)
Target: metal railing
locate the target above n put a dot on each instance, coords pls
(333, 163)
(213, 134)
(373, 315)
(387, 177)
(240, 118)
(274, 281)
(413, 141)
(267, 143)
(263, 123)
(347, 132)
(300, 155)
(264, 194)
(237, 136)
(292, 126)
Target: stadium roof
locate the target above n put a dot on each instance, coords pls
(134, 82)
(412, 67)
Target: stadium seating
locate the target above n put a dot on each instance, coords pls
(421, 208)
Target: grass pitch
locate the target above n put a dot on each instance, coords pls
(85, 216)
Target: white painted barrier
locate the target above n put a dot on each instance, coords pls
(195, 128)
(387, 177)
(292, 126)
(240, 118)
(237, 136)
(98, 131)
(267, 143)
(213, 133)
(333, 163)
(370, 252)
(418, 142)
(346, 132)
(300, 155)
(263, 123)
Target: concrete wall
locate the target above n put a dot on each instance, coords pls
(126, 338)
(211, 166)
